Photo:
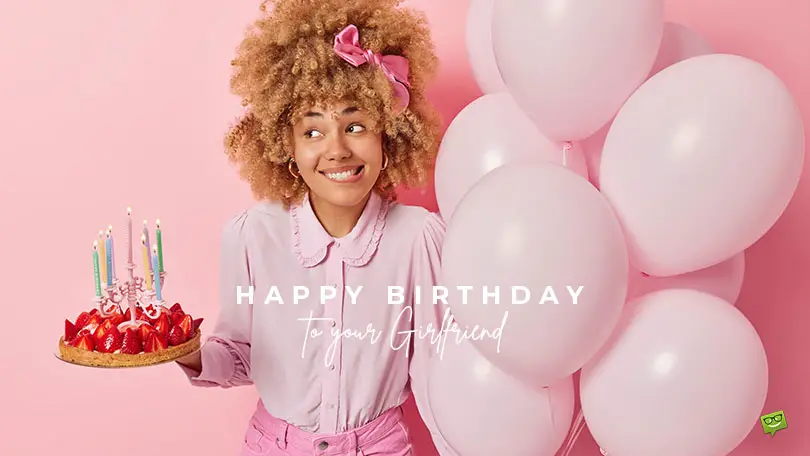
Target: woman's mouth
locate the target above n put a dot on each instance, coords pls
(346, 174)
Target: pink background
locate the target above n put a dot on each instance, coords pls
(109, 104)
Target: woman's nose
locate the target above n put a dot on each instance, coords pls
(338, 149)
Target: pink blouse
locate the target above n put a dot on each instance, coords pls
(330, 361)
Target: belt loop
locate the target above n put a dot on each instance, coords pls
(354, 443)
(281, 438)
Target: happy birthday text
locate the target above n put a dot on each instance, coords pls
(437, 294)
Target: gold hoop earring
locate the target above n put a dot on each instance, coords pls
(385, 163)
(289, 168)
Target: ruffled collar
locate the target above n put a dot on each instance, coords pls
(311, 241)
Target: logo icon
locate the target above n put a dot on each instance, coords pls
(773, 422)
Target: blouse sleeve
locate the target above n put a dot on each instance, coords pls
(426, 273)
(226, 352)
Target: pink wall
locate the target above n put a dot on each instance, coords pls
(90, 90)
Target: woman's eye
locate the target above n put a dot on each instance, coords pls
(312, 133)
(355, 128)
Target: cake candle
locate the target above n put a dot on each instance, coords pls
(102, 253)
(159, 245)
(158, 291)
(112, 253)
(148, 266)
(109, 260)
(129, 236)
(96, 272)
(146, 269)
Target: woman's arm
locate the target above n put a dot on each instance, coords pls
(224, 359)
(426, 272)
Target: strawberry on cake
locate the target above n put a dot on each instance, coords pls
(116, 339)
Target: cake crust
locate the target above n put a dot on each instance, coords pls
(87, 358)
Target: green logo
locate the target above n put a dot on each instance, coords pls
(773, 422)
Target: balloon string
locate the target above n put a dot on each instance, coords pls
(576, 429)
(566, 147)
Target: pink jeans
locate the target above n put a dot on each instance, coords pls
(387, 435)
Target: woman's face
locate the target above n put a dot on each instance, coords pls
(338, 154)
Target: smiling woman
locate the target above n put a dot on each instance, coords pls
(336, 118)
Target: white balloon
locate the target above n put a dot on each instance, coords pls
(479, 47)
(482, 411)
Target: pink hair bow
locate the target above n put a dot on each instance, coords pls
(395, 67)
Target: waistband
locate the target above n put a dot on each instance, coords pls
(345, 442)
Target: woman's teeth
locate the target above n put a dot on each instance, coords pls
(343, 175)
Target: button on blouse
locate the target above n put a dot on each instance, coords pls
(326, 348)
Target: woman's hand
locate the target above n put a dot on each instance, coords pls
(192, 361)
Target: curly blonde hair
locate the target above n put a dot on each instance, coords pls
(286, 64)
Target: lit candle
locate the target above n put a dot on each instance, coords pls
(146, 234)
(96, 272)
(102, 253)
(109, 260)
(129, 236)
(158, 292)
(159, 245)
(112, 253)
(146, 269)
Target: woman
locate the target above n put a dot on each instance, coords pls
(336, 117)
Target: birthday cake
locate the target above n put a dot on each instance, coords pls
(116, 341)
(148, 332)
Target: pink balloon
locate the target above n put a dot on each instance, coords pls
(571, 64)
(488, 133)
(701, 161)
(723, 280)
(685, 374)
(482, 411)
(679, 43)
(542, 227)
(479, 47)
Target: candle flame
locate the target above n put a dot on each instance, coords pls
(109, 229)
(143, 239)
(154, 248)
(157, 223)
(145, 223)
(100, 233)
(108, 234)
(129, 210)
(95, 245)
